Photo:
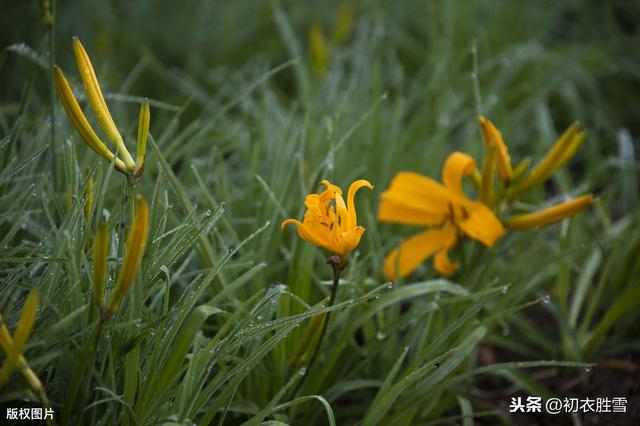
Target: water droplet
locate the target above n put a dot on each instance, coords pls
(390, 286)
(207, 213)
(546, 298)
(303, 371)
(381, 336)
(260, 317)
(587, 369)
(473, 76)
(436, 365)
(350, 301)
(377, 296)
(505, 289)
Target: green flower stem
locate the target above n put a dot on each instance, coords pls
(338, 265)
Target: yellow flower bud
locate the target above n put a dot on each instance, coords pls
(549, 215)
(561, 152)
(493, 138)
(134, 250)
(143, 133)
(13, 346)
(100, 253)
(488, 172)
(98, 104)
(79, 121)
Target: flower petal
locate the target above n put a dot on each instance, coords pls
(349, 240)
(405, 258)
(415, 199)
(352, 219)
(314, 233)
(397, 209)
(482, 225)
(457, 166)
(442, 264)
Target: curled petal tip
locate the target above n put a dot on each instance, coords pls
(286, 222)
(362, 183)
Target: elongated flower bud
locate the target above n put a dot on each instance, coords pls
(13, 346)
(493, 138)
(135, 248)
(521, 168)
(488, 172)
(79, 121)
(100, 253)
(562, 151)
(549, 215)
(143, 133)
(98, 104)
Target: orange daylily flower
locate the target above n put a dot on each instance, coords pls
(418, 200)
(329, 222)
